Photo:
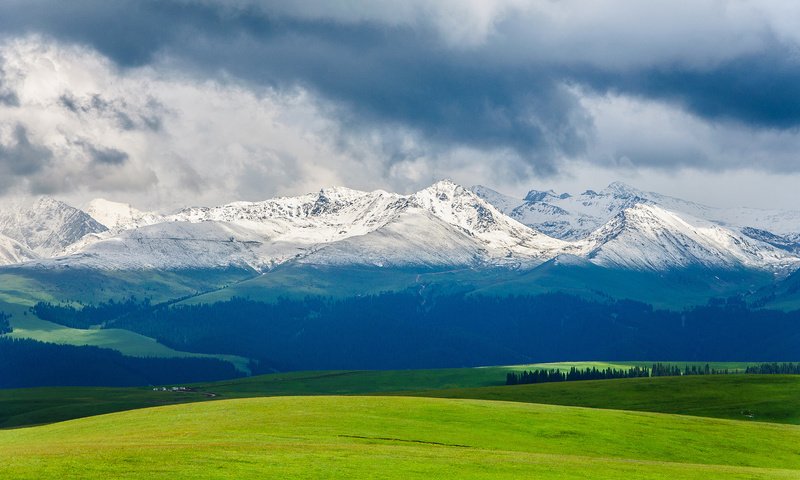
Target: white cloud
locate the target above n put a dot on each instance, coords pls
(636, 132)
(190, 140)
(213, 141)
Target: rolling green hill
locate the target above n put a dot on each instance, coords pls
(383, 437)
(767, 398)
(774, 398)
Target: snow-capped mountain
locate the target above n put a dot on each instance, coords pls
(46, 226)
(169, 245)
(117, 216)
(647, 237)
(572, 217)
(562, 215)
(440, 226)
(445, 224)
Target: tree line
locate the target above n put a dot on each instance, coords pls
(5, 327)
(657, 370)
(88, 316)
(573, 374)
(775, 368)
(29, 363)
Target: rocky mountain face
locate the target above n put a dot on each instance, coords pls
(46, 226)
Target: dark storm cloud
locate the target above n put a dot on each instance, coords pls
(375, 73)
(761, 90)
(20, 158)
(125, 116)
(106, 156)
(488, 96)
(8, 96)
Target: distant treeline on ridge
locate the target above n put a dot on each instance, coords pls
(657, 370)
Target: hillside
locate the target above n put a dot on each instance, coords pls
(771, 398)
(366, 437)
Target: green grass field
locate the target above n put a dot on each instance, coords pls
(32, 406)
(774, 398)
(767, 398)
(384, 437)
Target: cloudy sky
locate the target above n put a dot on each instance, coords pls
(172, 102)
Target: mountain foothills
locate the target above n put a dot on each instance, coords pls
(442, 226)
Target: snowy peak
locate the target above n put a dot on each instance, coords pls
(328, 215)
(120, 216)
(647, 237)
(444, 224)
(622, 190)
(534, 196)
(463, 209)
(457, 206)
(47, 226)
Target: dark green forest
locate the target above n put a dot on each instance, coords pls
(28, 363)
(405, 330)
(5, 327)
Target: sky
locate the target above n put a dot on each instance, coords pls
(200, 102)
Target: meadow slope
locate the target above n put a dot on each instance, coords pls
(771, 398)
(385, 437)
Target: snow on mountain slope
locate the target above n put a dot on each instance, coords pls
(46, 226)
(502, 202)
(11, 251)
(170, 245)
(120, 216)
(326, 216)
(413, 237)
(502, 235)
(563, 215)
(444, 224)
(572, 217)
(647, 237)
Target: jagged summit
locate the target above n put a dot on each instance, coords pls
(622, 189)
(46, 226)
(648, 237)
(574, 217)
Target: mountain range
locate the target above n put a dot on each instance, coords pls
(446, 276)
(444, 225)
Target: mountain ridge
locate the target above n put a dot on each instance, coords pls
(444, 224)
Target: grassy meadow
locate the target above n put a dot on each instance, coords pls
(445, 423)
(398, 437)
(774, 398)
